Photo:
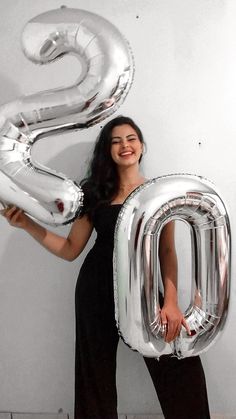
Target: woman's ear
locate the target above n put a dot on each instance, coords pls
(143, 148)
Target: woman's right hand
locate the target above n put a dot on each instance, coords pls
(16, 217)
(67, 248)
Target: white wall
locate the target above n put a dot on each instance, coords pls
(183, 97)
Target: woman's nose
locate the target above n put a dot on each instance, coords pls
(124, 143)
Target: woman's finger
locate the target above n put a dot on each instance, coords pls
(171, 331)
(9, 211)
(12, 213)
(15, 216)
(185, 324)
(174, 329)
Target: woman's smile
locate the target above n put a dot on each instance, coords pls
(126, 153)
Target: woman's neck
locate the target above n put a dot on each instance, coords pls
(130, 177)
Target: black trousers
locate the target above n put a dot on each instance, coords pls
(180, 384)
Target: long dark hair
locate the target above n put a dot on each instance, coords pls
(102, 182)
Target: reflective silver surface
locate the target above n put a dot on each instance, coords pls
(137, 280)
(107, 74)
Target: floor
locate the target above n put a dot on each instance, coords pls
(32, 416)
(65, 416)
(213, 416)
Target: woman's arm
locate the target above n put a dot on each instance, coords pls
(171, 316)
(67, 248)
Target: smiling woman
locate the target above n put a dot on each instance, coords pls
(114, 174)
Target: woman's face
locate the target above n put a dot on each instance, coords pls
(126, 147)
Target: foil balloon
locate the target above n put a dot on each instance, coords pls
(105, 79)
(137, 278)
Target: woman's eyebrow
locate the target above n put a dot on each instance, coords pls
(127, 136)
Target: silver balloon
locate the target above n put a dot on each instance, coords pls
(107, 74)
(137, 279)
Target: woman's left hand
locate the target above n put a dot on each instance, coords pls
(173, 319)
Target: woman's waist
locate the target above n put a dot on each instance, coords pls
(104, 242)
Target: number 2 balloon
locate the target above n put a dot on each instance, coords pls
(107, 74)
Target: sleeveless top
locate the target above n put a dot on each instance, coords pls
(104, 223)
(94, 296)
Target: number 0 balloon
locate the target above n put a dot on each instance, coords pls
(107, 74)
(137, 279)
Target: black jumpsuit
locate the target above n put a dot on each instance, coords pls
(180, 384)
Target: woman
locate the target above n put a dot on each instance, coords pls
(114, 174)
